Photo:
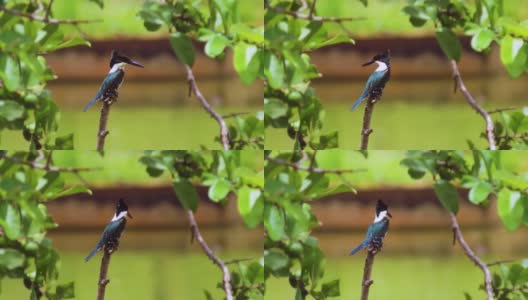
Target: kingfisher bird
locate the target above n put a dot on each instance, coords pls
(377, 80)
(114, 230)
(376, 231)
(113, 80)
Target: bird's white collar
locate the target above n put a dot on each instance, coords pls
(120, 216)
(382, 215)
(117, 66)
(381, 66)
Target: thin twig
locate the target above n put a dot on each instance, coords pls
(500, 262)
(312, 18)
(35, 165)
(474, 104)
(103, 274)
(366, 131)
(103, 120)
(367, 271)
(45, 19)
(232, 115)
(224, 133)
(312, 169)
(236, 261)
(48, 11)
(457, 233)
(312, 9)
(225, 271)
(498, 110)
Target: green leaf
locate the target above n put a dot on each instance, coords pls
(10, 220)
(275, 108)
(10, 72)
(64, 142)
(11, 259)
(219, 190)
(331, 289)
(182, 47)
(186, 193)
(276, 262)
(76, 41)
(250, 205)
(447, 194)
(480, 192)
(10, 110)
(341, 38)
(274, 71)
(482, 39)
(216, 45)
(510, 48)
(449, 43)
(247, 61)
(510, 208)
(76, 189)
(65, 291)
(274, 222)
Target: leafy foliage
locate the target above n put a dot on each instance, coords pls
(486, 23)
(289, 249)
(483, 177)
(218, 25)
(289, 101)
(25, 252)
(224, 173)
(25, 103)
(511, 281)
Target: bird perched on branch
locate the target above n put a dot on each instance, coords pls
(114, 230)
(376, 231)
(377, 80)
(113, 80)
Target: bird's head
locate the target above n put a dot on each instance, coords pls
(120, 58)
(382, 210)
(122, 210)
(383, 57)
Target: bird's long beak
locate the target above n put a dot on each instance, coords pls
(135, 63)
(388, 214)
(368, 63)
(129, 215)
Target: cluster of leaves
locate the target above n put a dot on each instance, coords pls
(216, 23)
(482, 176)
(25, 104)
(511, 130)
(486, 23)
(224, 173)
(25, 252)
(511, 281)
(289, 101)
(289, 249)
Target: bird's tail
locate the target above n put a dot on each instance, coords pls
(91, 254)
(357, 103)
(90, 104)
(359, 247)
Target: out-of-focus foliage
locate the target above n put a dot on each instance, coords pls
(289, 101)
(224, 174)
(219, 28)
(25, 103)
(486, 22)
(289, 249)
(510, 281)
(25, 252)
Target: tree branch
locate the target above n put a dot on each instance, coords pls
(311, 17)
(367, 271)
(103, 120)
(457, 234)
(474, 104)
(498, 110)
(103, 274)
(225, 271)
(366, 131)
(193, 86)
(44, 19)
(47, 167)
(312, 169)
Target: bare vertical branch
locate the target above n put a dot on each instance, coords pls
(203, 244)
(474, 104)
(103, 120)
(193, 86)
(367, 271)
(103, 274)
(457, 233)
(366, 130)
